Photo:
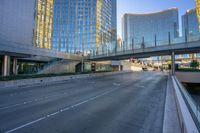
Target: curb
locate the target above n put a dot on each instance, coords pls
(50, 80)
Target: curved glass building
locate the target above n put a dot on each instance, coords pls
(190, 23)
(190, 26)
(149, 27)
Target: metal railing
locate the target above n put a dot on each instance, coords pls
(132, 44)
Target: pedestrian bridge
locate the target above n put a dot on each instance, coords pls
(180, 45)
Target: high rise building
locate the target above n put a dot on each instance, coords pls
(17, 21)
(147, 27)
(198, 11)
(43, 23)
(190, 24)
(198, 15)
(84, 25)
(190, 28)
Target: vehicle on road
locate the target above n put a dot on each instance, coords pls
(144, 69)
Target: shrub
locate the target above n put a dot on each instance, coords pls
(194, 64)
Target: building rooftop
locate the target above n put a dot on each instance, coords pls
(152, 13)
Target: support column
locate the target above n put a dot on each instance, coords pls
(6, 65)
(169, 37)
(1, 66)
(82, 64)
(15, 71)
(119, 67)
(173, 63)
(161, 63)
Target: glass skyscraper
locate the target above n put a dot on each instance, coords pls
(147, 27)
(84, 25)
(43, 23)
(198, 11)
(190, 24)
(198, 15)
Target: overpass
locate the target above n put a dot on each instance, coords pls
(181, 45)
(143, 50)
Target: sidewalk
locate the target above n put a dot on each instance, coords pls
(171, 122)
(50, 80)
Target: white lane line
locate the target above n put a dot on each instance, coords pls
(10, 106)
(31, 101)
(18, 104)
(27, 124)
(116, 84)
(58, 112)
(91, 82)
(140, 86)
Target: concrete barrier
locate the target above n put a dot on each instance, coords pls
(49, 80)
(188, 77)
(187, 122)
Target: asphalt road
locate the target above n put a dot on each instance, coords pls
(123, 103)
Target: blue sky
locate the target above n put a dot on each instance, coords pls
(142, 6)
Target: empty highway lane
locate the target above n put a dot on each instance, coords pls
(123, 103)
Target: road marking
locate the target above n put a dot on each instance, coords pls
(10, 106)
(27, 124)
(91, 82)
(140, 86)
(62, 110)
(116, 84)
(31, 101)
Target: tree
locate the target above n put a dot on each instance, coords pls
(194, 64)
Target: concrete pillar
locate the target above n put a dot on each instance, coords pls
(15, 71)
(132, 44)
(173, 63)
(6, 65)
(169, 37)
(155, 39)
(161, 63)
(82, 64)
(119, 67)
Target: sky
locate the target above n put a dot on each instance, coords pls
(143, 6)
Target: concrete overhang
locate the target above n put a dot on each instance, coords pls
(26, 51)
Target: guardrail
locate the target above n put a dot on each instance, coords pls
(188, 109)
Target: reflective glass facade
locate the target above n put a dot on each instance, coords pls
(198, 15)
(43, 23)
(147, 27)
(198, 11)
(190, 23)
(190, 27)
(84, 25)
